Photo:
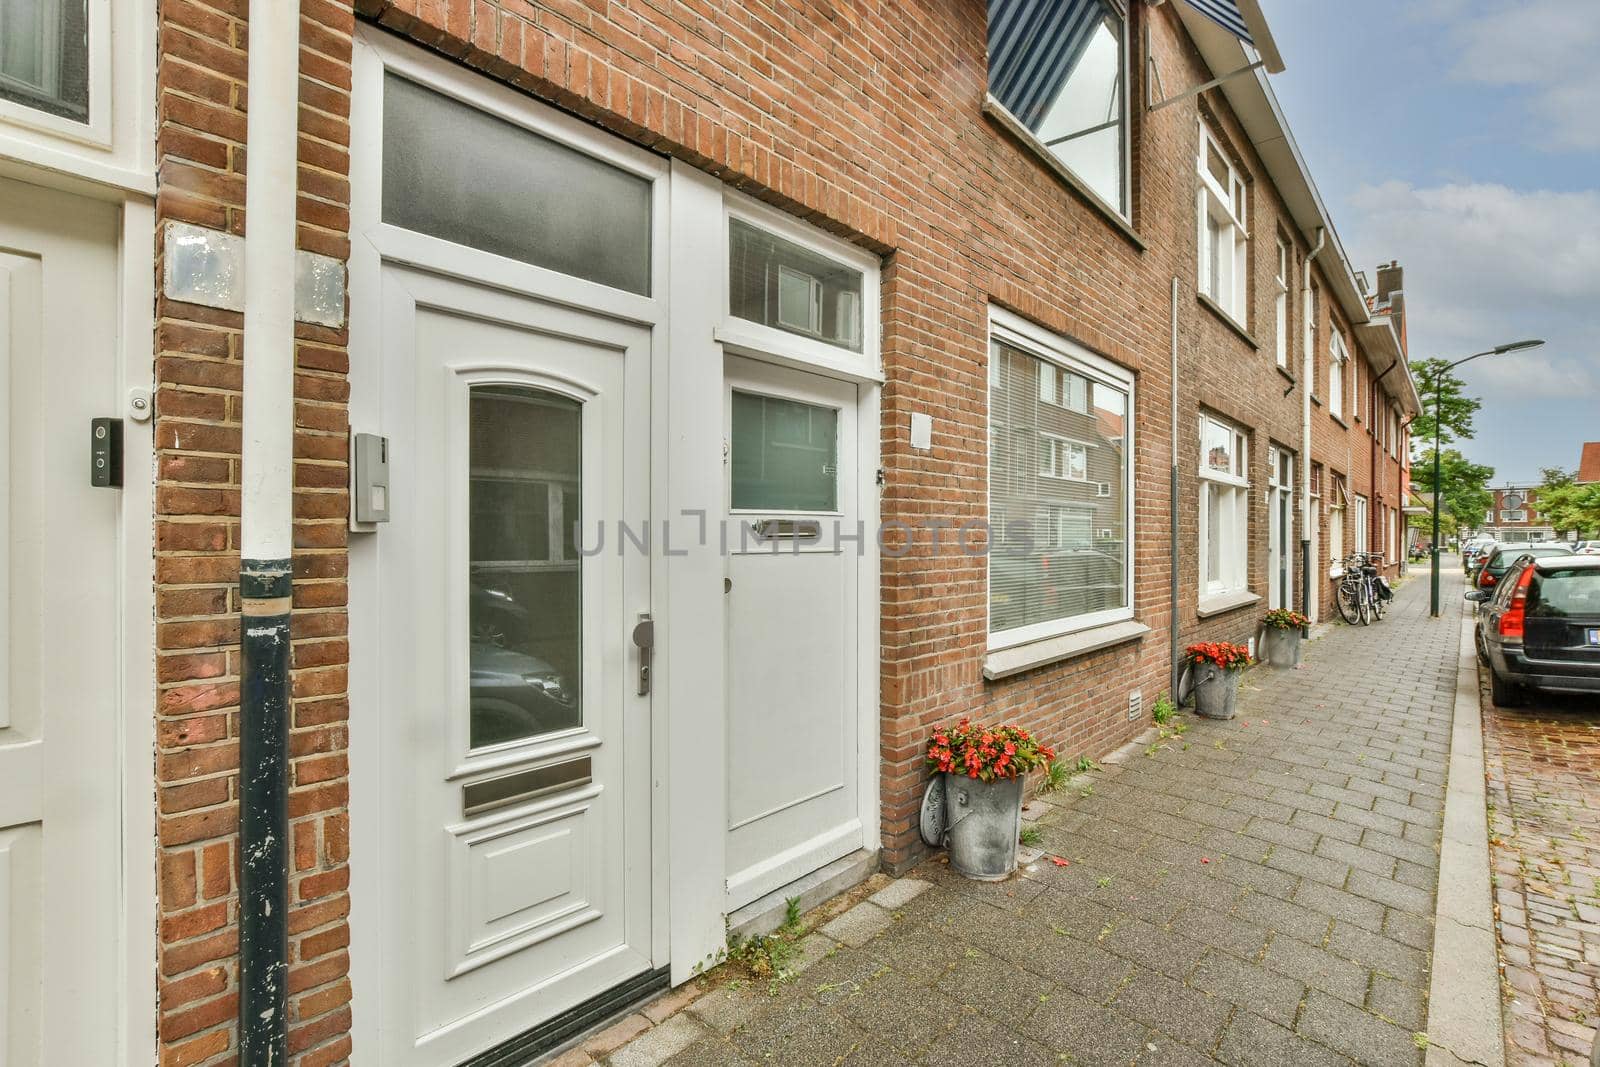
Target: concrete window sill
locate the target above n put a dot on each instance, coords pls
(1222, 603)
(1005, 662)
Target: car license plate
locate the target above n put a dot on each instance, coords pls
(1594, 637)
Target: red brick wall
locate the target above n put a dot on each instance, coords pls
(200, 146)
(865, 119)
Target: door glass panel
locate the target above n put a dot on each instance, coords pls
(785, 454)
(44, 56)
(460, 174)
(525, 612)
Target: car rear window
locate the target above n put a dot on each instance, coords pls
(1506, 557)
(1565, 593)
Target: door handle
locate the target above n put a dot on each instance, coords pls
(644, 639)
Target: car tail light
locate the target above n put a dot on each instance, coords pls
(1513, 623)
(1487, 580)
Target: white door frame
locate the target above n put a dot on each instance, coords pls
(691, 331)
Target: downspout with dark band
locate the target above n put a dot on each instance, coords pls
(265, 588)
(266, 531)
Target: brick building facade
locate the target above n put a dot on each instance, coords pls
(871, 137)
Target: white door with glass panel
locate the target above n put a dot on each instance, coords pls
(794, 550)
(516, 863)
(60, 843)
(1280, 528)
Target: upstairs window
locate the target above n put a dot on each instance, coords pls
(1338, 356)
(1281, 304)
(1059, 67)
(1224, 240)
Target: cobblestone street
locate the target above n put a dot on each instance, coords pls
(1259, 891)
(1543, 763)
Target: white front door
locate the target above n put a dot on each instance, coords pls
(794, 553)
(516, 745)
(60, 847)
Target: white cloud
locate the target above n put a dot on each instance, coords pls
(1486, 264)
(1547, 47)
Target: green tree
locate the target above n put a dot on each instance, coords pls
(1566, 506)
(1455, 407)
(1465, 495)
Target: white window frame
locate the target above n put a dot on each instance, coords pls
(1019, 333)
(1235, 485)
(1281, 304)
(1224, 259)
(1362, 533)
(1338, 356)
(1053, 448)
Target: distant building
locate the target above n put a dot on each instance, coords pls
(1514, 516)
(1589, 463)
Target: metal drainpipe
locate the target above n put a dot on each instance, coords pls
(1308, 368)
(1172, 625)
(266, 526)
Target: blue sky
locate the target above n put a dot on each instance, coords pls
(1462, 137)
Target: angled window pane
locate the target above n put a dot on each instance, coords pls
(462, 175)
(1057, 66)
(44, 56)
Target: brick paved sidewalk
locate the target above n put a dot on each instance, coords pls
(1257, 892)
(1543, 763)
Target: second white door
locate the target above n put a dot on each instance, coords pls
(794, 555)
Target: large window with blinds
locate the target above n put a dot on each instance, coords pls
(1059, 67)
(1060, 499)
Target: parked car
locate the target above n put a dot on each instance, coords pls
(1500, 558)
(1472, 551)
(1586, 548)
(1540, 629)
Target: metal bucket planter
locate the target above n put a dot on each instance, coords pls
(985, 825)
(1281, 648)
(1216, 691)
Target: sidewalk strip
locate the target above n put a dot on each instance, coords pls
(1464, 997)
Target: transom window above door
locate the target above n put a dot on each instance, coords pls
(460, 174)
(1059, 68)
(782, 284)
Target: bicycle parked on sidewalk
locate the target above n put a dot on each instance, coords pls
(1363, 595)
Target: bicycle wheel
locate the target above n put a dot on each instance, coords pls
(1365, 604)
(1349, 600)
(1380, 607)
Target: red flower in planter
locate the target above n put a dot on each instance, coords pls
(986, 753)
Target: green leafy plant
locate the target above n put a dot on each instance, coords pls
(1055, 776)
(1031, 837)
(987, 753)
(1164, 710)
(1285, 619)
(1083, 765)
(767, 956)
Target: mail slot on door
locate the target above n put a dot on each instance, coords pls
(789, 530)
(521, 786)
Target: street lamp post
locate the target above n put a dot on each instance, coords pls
(1497, 350)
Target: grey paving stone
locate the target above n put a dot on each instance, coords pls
(858, 925)
(1379, 953)
(1086, 1032)
(800, 1032)
(725, 1008)
(1316, 868)
(976, 1040)
(1249, 985)
(994, 987)
(900, 892)
(1409, 929)
(1159, 950)
(1346, 907)
(900, 1014)
(1080, 966)
(1404, 1005)
(657, 1045)
(715, 1051)
(1231, 933)
(1317, 968)
(1296, 920)
(1358, 1034)
(1392, 893)
(1190, 1015)
(1251, 1041)
(1283, 834)
(1357, 856)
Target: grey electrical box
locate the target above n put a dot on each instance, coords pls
(369, 480)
